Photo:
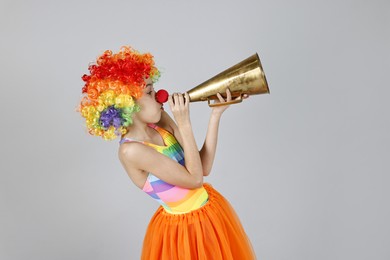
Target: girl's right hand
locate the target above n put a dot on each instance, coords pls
(179, 105)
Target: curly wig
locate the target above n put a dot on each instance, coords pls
(114, 83)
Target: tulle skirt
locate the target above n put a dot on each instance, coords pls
(210, 232)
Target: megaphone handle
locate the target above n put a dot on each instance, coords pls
(234, 101)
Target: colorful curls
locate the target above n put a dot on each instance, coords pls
(114, 83)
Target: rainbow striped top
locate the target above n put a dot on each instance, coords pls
(174, 199)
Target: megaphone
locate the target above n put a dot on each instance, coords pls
(246, 77)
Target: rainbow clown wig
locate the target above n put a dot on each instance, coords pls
(116, 80)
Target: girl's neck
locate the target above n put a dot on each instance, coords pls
(140, 131)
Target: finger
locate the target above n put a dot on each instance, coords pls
(181, 99)
(220, 98)
(237, 98)
(187, 99)
(228, 94)
(175, 98)
(170, 101)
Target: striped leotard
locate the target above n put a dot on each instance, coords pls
(174, 199)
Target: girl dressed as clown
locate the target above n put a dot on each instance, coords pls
(160, 155)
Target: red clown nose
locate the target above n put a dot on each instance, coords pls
(162, 96)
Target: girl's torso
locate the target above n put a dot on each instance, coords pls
(174, 199)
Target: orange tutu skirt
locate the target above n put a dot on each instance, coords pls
(210, 232)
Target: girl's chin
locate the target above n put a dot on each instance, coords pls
(157, 118)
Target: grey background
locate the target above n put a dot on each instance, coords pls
(306, 167)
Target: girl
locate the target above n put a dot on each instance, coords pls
(194, 221)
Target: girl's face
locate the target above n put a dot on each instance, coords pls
(150, 108)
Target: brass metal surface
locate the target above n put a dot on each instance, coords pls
(246, 77)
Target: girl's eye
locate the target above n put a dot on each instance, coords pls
(150, 92)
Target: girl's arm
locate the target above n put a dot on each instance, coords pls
(180, 110)
(138, 159)
(209, 148)
(207, 153)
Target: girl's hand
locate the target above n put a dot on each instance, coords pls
(220, 109)
(179, 105)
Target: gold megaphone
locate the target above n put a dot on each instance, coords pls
(246, 77)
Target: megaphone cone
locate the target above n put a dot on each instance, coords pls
(246, 77)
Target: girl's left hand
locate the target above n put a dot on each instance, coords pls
(222, 108)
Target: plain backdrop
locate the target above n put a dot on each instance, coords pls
(306, 167)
